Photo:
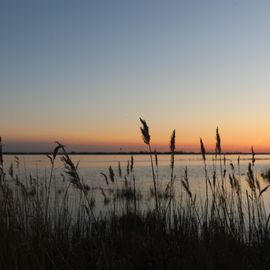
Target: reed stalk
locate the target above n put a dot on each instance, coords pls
(203, 152)
(146, 138)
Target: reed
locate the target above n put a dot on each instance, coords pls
(45, 229)
(172, 148)
(146, 138)
(203, 152)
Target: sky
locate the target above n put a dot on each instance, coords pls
(82, 72)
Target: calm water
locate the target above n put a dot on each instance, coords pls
(90, 167)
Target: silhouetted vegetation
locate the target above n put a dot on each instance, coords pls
(226, 228)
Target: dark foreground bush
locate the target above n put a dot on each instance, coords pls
(129, 241)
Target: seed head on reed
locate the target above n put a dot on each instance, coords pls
(234, 183)
(105, 197)
(131, 163)
(10, 171)
(50, 158)
(111, 173)
(185, 183)
(172, 147)
(146, 139)
(145, 132)
(231, 181)
(119, 169)
(224, 173)
(70, 168)
(202, 149)
(172, 142)
(17, 162)
(218, 142)
(128, 168)
(214, 178)
(253, 156)
(57, 148)
(71, 171)
(250, 178)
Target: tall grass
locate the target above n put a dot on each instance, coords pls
(227, 227)
(146, 138)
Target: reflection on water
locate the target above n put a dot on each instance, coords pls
(91, 167)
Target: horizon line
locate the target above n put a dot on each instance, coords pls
(133, 153)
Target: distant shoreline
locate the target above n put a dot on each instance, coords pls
(130, 153)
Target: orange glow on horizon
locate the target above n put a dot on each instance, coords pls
(137, 145)
(128, 137)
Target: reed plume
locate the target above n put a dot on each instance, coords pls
(218, 152)
(111, 174)
(52, 160)
(172, 142)
(203, 152)
(146, 138)
(10, 170)
(71, 169)
(172, 148)
(119, 169)
(131, 164)
(145, 132)
(185, 183)
(202, 149)
(253, 156)
(128, 168)
(251, 178)
(218, 143)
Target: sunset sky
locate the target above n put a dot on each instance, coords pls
(83, 72)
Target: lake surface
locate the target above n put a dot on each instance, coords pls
(91, 166)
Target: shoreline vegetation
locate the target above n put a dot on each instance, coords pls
(170, 227)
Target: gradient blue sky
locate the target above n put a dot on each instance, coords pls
(83, 72)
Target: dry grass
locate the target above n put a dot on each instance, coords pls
(229, 229)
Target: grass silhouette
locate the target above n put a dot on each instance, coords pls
(42, 229)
